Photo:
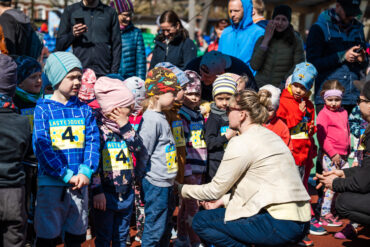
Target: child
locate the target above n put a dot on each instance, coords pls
(15, 132)
(217, 132)
(298, 112)
(161, 88)
(196, 156)
(86, 93)
(66, 143)
(334, 138)
(357, 126)
(112, 187)
(274, 123)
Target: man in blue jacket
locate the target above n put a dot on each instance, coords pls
(238, 40)
(335, 46)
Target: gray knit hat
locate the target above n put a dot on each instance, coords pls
(8, 75)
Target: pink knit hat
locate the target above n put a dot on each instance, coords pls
(112, 93)
(87, 85)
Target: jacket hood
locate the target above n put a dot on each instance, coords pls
(247, 17)
(326, 18)
(18, 15)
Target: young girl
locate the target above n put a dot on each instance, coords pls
(196, 157)
(112, 186)
(334, 138)
(161, 88)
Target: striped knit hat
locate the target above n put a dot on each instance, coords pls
(59, 64)
(224, 84)
(122, 6)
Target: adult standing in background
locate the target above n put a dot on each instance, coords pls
(278, 51)
(172, 44)
(133, 62)
(92, 29)
(219, 28)
(238, 40)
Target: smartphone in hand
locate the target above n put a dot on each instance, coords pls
(79, 20)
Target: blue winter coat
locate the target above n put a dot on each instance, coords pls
(239, 41)
(133, 62)
(326, 46)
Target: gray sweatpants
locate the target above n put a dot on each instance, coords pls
(60, 209)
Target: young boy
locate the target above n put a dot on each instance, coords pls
(15, 132)
(217, 132)
(66, 143)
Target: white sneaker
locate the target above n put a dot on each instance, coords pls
(137, 239)
(173, 234)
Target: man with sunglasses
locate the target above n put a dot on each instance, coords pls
(336, 47)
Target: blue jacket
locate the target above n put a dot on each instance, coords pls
(239, 41)
(65, 141)
(326, 46)
(133, 62)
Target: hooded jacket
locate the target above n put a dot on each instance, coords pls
(239, 40)
(20, 38)
(326, 45)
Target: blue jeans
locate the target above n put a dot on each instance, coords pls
(260, 229)
(159, 206)
(113, 224)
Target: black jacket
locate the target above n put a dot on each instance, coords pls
(180, 51)
(100, 47)
(14, 146)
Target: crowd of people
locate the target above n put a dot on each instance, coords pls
(91, 140)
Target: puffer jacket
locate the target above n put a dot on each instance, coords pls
(277, 62)
(133, 62)
(326, 45)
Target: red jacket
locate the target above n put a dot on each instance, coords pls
(281, 129)
(301, 126)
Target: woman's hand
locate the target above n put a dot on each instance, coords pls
(327, 178)
(100, 201)
(269, 32)
(213, 204)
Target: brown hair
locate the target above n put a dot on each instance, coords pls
(171, 17)
(223, 23)
(259, 6)
(331, 84)
(256, 104)
(3, 49)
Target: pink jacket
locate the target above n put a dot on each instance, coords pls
(333, 131)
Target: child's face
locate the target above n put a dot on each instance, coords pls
(166, 100)
(180, 96)
(32, 84)
(71, 84)
(272, 112)
(222, 100)
(298, 90)
(192, 100)
(364, 105)
(241, 85)
(333, 102)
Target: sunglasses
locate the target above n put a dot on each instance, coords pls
(359, 101)
(230, 109)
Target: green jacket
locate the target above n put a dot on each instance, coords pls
(276, 63)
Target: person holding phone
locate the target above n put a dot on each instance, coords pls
(92, 29)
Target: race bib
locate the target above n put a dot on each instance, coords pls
(300, 131)
(361, 143)
(29, 112)
(178, 133)
(116, 157)
(67, 133)
(197, 136)
(171, 158)
(223, 132)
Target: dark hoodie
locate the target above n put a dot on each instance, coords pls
(20, 38)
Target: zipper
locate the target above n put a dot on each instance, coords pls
(165, 58)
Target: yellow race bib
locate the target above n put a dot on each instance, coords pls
(116, 157)
(178, 133)
(223, 132)
(171, 158)
(300, 131)
(197, 136)
(67, 133)
(29, 112)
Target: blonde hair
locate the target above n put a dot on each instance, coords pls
(256, 104)
(149, 102)
(259, 6)
(330, 85)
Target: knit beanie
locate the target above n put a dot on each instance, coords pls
(26, 66)
(122, 6)
(160, 81)
(304, 74)
(181, 76)
(275, 95)
(59, 64)
(194, 85)
(284, 10)
(8, 75)
(234, 76)
(87, 85)
(224, 84)
(137, 87)
(111, 93)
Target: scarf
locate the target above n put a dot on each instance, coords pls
(217, 111)
(106, 125)
(27, 97)
(6, 102)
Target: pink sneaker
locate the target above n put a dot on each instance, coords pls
(330, 220)
(348, 232)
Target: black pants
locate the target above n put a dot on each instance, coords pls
(12, 217)
(354, 206)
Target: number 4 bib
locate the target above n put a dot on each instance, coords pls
(171, 158)
(67, 133)
(116, 157)
(197, 136)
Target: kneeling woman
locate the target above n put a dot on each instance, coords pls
(268, 204)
